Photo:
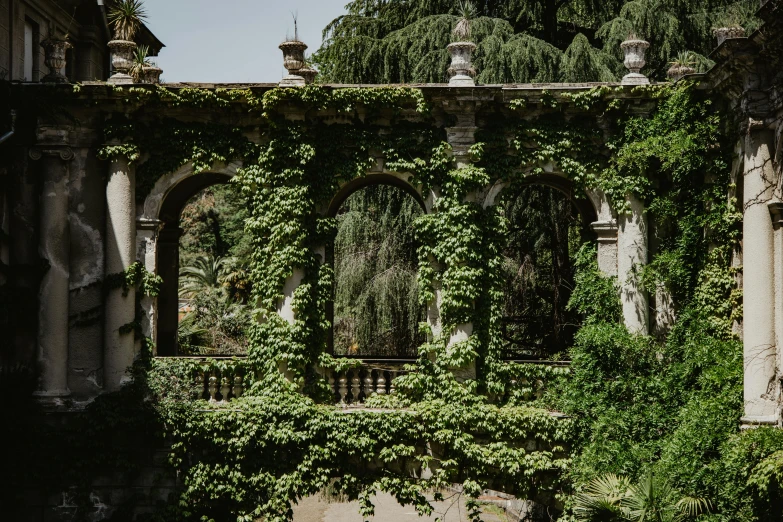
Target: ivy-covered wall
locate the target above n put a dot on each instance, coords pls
(456, 417)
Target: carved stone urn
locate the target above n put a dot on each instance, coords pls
(121, 61)
(461, 69)
(54, 58)
(294, 62)
(634, 49)
(727, 33)
(151, 74)
(677, 71)
(308, 74)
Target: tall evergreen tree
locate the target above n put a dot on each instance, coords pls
(399, 41)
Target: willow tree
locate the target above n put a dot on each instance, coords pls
(399, 41)
(376, 305)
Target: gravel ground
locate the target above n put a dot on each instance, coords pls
(317, 509)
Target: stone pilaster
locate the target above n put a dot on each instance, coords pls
(759, 303)
(606, 232)
(54, 249)
(168, 300)
(120, 305)
(631, 257)
(147, 237)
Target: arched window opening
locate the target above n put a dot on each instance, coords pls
(214, 281)
(376, 310)
(545, 231)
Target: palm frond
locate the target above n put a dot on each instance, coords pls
(126, 17)
(602, 498)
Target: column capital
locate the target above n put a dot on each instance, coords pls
(776, 212)
(605, 230)
(149, 224)
(65, 153)
(51, 140)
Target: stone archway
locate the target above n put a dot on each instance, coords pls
(158, 238)
(345, 191)
(544, 214)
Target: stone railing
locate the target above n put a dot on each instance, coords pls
(220, 380)
(375, 376)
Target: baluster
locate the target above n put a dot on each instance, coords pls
(381, 386)
(213, 386)
(225, 388)
(355, 386)
(392, 388)
(342, 388)
(330, 378)
(200, 383)
(368, 384)
(237, 389)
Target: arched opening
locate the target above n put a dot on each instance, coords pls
(202, 258)
(375, 310)
(548, 223)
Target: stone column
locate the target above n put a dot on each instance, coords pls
(631, 257)
(606, 231)
(54, 249)
(461, 138)
(147, 231)
(120, 306)
(758, 299)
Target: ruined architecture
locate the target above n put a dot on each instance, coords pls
(75, 211)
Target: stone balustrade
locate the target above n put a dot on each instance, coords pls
(375, 376)
(350, 388)
(219, 385)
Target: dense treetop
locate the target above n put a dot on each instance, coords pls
(398, 41)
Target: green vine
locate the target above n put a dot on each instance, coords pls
(283, 438)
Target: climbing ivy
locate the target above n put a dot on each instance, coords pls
(283, 439)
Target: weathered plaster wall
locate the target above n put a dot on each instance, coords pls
(23, 189)
(88, 224)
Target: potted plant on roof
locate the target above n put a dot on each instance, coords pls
(293, 58)
(308, 72)
(729, 24)
(125, 17)
(55, 46)
(684, 63)
(461, 71)
(144, 70)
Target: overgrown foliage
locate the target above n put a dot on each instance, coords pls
(639, 405)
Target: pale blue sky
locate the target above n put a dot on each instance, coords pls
(233, 40)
